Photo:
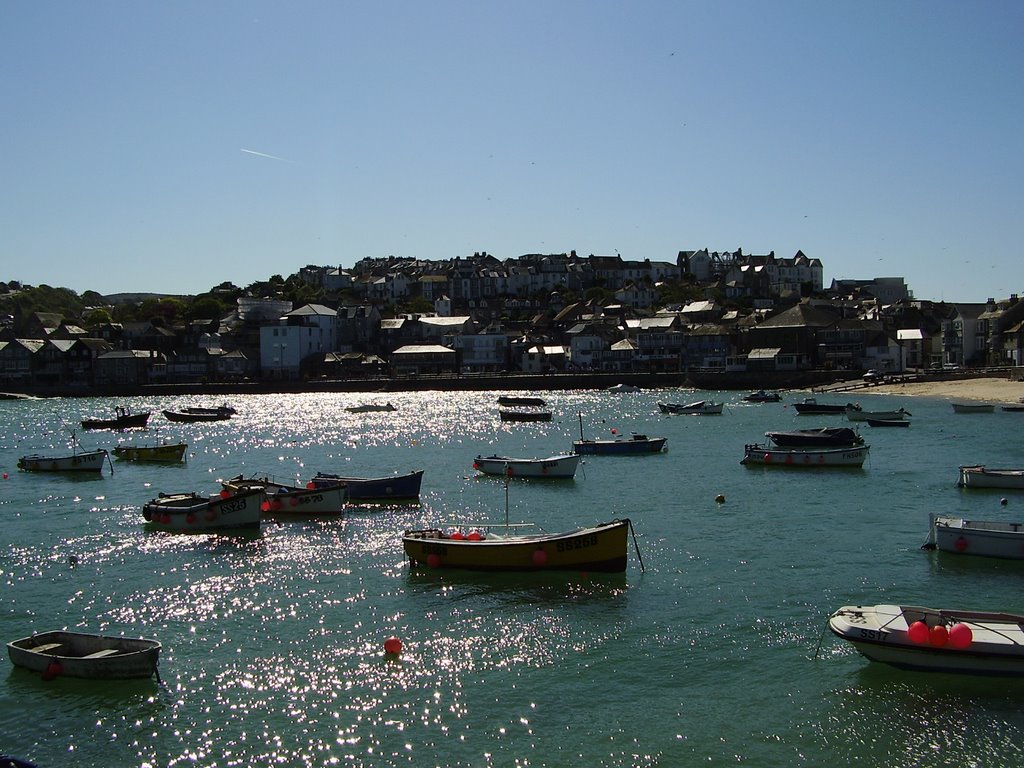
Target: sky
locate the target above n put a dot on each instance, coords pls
(169, 147)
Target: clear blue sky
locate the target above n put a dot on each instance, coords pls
(171, 146)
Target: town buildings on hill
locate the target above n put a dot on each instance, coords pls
(536, 313)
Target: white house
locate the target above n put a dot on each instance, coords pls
(309, 330)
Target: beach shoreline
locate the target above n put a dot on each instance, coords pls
(998, 391)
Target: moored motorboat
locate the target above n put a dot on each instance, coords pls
(168, 453)
(762, 397)
(986, 538)
(973, 408)
(85, 461)
(926, 639)
(371, 408)
(507, 414)
(856, 413)
(376, 489)
(562, 466)
(701, 407)
(979, 476)
(122, 420)
(190, 416)
(811, 406)
(286, 499)
(816, 457)
(635, 443)
(221, 409)
(60, 653)
(516, 400)
(600, 548)
(822, 436)
(195, 513)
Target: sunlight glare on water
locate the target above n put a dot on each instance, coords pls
(715, 652)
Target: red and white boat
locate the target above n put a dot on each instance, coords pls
(948, 640)
(192, 513)
(809, 457)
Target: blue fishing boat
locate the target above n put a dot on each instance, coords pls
(388, 488)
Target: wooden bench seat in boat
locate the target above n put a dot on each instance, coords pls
(101, 654)
(47, 648)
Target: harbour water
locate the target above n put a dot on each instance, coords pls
(715, 652)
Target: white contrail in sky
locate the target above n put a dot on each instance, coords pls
(262, 154)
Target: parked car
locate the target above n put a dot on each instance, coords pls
(874, 377)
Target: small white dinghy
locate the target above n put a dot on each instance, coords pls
(986, 538)
(562, 466)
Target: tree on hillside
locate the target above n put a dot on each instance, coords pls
(96, 317)
(42, 298)
(206, 307)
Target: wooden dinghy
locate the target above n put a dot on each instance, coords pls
(600, 548)
(980, 476)
(986, 538)
(170, 453)
(81, 654)
(374, 489)
(562, 466)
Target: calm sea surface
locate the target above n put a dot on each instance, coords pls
(273, 644)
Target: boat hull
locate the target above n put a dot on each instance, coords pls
(883, 633)
(855, 414)
(391, 488)
(191, 513)
(156, 453)
(80, 462)
(973, 408)
(67, 654)
(980, 477)
(834, 437)
(131, 421)
(762, 397)
(810, 406)
(552, 468)
(601, 548)
(636, 444)
(976, 537)
(517, 401)
(804, 458)
(187, 417)
(506, 415)
(691, 409)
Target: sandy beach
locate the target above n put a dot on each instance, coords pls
(998, 391)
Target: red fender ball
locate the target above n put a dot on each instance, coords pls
(939, 636)
(918, 632)
(960, 636)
